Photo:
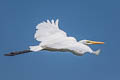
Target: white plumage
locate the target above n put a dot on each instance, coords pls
(54, 39)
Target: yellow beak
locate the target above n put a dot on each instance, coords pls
(94, 42)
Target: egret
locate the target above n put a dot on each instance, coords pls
(52, 38)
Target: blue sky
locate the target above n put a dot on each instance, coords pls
(84, 19)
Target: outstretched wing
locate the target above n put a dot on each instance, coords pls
(52, 37)
(47, 31)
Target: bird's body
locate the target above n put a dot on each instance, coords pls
(68, 44)
(54, 39)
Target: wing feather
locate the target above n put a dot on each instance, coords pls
(48, 30)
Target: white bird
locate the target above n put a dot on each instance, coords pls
(52, 38)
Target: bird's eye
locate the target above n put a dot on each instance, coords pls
(88, 41)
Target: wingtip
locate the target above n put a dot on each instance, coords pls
(48, 21)
(52, 21)
(57, 20)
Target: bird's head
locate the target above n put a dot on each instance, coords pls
(87, 42)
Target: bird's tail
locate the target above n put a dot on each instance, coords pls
(17, 53)
(97, 52)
